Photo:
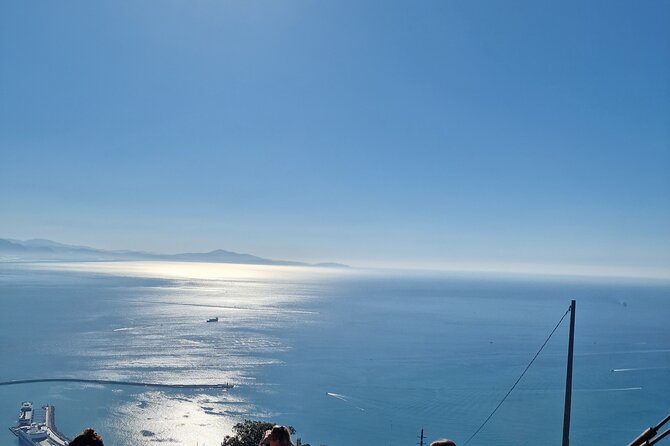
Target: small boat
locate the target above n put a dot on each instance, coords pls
(214, 319)
(26, 414)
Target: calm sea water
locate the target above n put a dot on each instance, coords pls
(346, 357)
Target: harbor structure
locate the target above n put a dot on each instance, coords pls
(42, 432)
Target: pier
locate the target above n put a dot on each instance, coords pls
(50, 421)
(119, 383)
(42, 433)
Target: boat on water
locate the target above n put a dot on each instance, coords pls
(26, 414)
(214, 319)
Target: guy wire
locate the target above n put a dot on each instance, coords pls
(519, 379)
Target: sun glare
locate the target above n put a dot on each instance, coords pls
(193, 270)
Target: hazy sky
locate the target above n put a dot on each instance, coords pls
(371, 132)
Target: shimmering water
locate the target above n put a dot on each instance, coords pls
(346, 357)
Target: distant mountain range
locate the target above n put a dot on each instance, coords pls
(48, 250)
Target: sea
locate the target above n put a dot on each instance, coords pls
(345, 356)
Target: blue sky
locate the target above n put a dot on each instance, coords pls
(379, 133)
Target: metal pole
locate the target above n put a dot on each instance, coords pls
(649, 433)
(660, 437)
(568, 378)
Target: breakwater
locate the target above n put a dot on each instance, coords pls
(120, 383)
(50, 421)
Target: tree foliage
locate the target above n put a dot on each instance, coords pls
(249, 433)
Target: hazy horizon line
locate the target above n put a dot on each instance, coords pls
(454, 266)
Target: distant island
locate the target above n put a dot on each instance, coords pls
(47, 250)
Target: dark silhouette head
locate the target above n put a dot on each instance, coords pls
(280, 436)
(87, 438)
(443, 442)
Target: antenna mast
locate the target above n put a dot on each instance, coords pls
(568, 378)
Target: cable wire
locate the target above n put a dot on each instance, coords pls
(519, 379)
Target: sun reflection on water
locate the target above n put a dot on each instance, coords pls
(196, 270)
(188, 419)
(146, 321)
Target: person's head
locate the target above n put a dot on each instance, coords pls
(443, 442)
(87, 438)
(280, 436)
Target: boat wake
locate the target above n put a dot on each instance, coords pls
(639, 369)
(345, 399)
(623, 389)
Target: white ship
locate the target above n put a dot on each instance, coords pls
(26, 414)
